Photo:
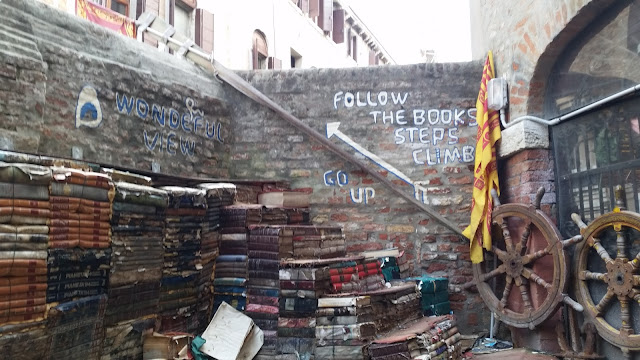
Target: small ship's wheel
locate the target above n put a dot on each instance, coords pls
(608, 282)
(514, 262)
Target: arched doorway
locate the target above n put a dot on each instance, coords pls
(595, 152)
(259, 51)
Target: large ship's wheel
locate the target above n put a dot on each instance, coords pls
(514, 261)
(608, 278)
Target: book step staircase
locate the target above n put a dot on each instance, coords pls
(108, 253)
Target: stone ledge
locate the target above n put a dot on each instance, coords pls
(523, 135)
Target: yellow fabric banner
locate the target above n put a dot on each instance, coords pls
(486, 170)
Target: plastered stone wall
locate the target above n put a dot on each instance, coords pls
(70, 88)
(413, 124)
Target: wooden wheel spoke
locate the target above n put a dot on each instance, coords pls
(588, 275)
(527, 259)
(635, 295)
(601, 251)
(526, 298)
(529, 274)
(574, 240)
(506, 235)
(524, 239)
(621, 244)
(493, 273)
(605, 301)
(507, 290)
(625, 316)
(635, 262)
(500, 253)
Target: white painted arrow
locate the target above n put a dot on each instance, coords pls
(332, 129)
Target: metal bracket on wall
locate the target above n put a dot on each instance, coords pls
(158, 28)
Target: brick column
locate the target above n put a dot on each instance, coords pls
(521, 176)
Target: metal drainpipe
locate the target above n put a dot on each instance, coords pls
(572, 114)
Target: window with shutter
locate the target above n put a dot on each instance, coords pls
(119, 6)
(274, 63)
(314, 8)
(140, 8)
(338, 26)
(349, 49)
(304, 6)
(325, 19)
(204, 30)
(354, 48)
(182, 21)
(374, 59)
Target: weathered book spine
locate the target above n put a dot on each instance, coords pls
(379, 350)
(303, 322)
(297, 332)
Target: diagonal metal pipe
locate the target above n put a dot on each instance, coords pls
(158, 28)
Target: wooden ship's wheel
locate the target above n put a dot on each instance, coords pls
(607, 268)
(509, 274)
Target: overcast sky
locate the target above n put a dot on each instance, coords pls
(404, 27)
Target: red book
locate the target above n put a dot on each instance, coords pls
(343, 278)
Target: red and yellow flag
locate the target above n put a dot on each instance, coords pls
(486, 171)
(105, 17)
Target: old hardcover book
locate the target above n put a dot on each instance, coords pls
(337, 301)
(291, 199)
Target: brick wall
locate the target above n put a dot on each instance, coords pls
(66, 83)
(267, 146)
(526, 38)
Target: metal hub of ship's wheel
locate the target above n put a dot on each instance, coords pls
(513, 261)
(603, 261)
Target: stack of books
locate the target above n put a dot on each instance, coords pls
(24, 234)
(76, 273)
(344, 325)
(19, 342)
(76, 329)
(80, 204)
(435, 294)
(217, 195)
(356, 276)
(428, 338)
(313, 242)
(182, 234)
(302, 282)
(395, 306)
(273, 215)
(182, 260)
(177, 304)
(232, 269)
(137, 227)
(125, 340)
(132, 301)
(263, 290)
(230, 282)
(232, 266)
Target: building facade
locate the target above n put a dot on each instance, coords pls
(250, 34)
(571, 127)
